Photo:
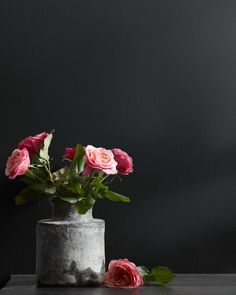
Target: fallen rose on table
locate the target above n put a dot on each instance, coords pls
(125, 274)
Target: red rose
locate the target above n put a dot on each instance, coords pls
(18, 163)
(33, 143)
(122, 274)
(124, 162)
(69, 153)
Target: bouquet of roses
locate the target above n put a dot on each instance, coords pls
(82, 181)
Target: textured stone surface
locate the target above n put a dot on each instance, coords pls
(70, 252)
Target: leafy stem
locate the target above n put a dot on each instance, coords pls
(48, 168)
(30, 173)
(105, 177)
(90, 179)
(160, 275)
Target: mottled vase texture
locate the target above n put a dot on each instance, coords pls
(70, 248)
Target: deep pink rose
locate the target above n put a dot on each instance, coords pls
(69, 153)
(122, 274)
(124, 162)
(18, 163)
(33, 143)
(99, 159)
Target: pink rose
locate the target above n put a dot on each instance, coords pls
(69, 153)
(124, 161)
(99, 159)
(18, 163)
(122, 274)
(33, 143)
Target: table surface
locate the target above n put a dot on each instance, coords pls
(184, 284)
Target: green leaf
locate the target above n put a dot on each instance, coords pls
(43, 153)
(27, 179)
(101, 187)
(19, 200)
(162, 274)
(69, 199)
(115, 197)
(100, 176)
(144, 271)
(77, 165)
(146, 275)
(37, 173)
(29, 194)
(100, 190)
(50, 190)
(42, 188)
(66, 194)
(99, 196)
(58, 174)
(35, 191)
(150, 280)
(84, 204)
(76, 187)
(81, 165)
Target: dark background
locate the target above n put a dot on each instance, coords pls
(155, 78)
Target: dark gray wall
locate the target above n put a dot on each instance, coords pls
(156, 78)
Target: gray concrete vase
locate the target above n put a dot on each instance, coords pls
(70, 248)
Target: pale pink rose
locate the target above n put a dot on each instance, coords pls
(99, 159)
(124, 162)
(69, 153)
(18, 163)
(122, 274)
(33, 143)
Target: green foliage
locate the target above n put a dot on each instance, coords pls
(27, 179)
(67, 183)
(115, 197)
(84, 204)
(69, 199)
(77, 165)
(100, 190)
(160, 275)
(31, 192)
(50, 190)
(66, 193)
(144, 271)
(57, 175)
(76, 186)
(19, 200)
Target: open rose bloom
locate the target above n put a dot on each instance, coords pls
(122, 274)
(18, 163)
(99, 159)
(33, 143)
(124, 162)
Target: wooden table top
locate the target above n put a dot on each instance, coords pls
(184, 284)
